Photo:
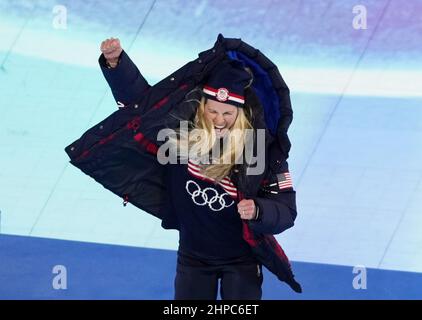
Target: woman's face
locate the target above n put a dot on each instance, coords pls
(222, 115)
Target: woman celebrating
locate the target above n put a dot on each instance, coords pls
(225, 215)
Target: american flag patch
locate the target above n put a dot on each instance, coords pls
(284, 180)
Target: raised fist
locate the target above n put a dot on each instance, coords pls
(111, 49)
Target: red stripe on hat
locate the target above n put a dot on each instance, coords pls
(230, 94)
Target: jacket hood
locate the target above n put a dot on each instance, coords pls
(268, 85)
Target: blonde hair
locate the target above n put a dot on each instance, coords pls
(200, 142)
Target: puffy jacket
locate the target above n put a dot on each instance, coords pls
(120, 151)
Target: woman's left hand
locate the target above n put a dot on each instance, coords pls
(247, 209)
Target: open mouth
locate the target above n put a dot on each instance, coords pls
(220, 130)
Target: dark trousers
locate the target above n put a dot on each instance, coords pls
(240, 281)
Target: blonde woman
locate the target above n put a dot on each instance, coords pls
(226, 217)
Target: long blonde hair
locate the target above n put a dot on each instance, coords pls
(200, 142)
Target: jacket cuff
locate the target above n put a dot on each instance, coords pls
(126, 82)
(104, 63)
(274, 217)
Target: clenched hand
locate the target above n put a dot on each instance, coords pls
(111, 49)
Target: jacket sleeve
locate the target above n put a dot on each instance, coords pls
(276, 201)
(126, 82)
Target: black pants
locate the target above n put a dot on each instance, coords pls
(238, 281)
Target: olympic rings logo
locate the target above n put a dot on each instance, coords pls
(215, 201)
